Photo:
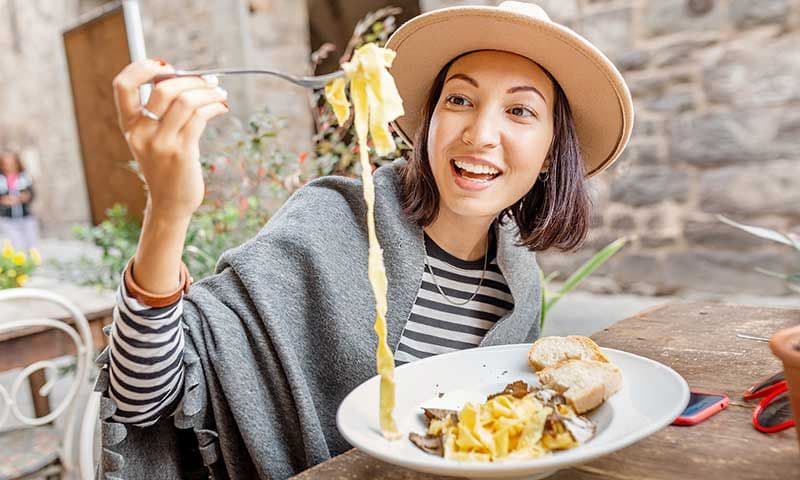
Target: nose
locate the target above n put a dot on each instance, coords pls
(483, 131)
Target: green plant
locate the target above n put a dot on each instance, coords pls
(16, 266)
(792, 279)
(116, 236)
(549, 299)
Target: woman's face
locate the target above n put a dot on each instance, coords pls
(8, 164)
(495, 114)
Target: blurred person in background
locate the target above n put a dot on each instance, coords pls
(17, 222)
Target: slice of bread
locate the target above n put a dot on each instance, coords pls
(585, 384)
(549, 351)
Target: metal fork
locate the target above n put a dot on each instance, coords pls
(308, 82)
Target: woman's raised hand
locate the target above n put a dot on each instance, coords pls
(167, 149)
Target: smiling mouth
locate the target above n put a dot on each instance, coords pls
(479, 177)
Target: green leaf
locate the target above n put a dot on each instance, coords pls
(772, 273)
(587, 269)
(762, 232)
(549, 278)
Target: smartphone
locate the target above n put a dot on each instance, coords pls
(701, 406)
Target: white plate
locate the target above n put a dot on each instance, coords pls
(652, 396)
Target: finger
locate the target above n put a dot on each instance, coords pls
(126, 87)
(184, 106)
(190, 134)
(165, 92)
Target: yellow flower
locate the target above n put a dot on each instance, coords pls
(22, 279)
(35, 256)
(8, 249)
(19, 258)
(11, 272)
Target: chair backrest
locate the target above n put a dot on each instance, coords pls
(73, 455)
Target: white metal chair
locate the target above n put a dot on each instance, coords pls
(37, 449)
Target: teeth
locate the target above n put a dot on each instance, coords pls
(471, 167)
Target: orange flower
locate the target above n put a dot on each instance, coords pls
(302, 157)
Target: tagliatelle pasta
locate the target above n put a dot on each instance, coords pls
(519, 423)
(376, 102)
(503, 428)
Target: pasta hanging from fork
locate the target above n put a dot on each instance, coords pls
(376, 102)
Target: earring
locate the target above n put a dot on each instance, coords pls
(545, 177)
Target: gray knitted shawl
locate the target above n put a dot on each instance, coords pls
(283, 331)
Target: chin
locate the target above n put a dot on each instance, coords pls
(472, 207)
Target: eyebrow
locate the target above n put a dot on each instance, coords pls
(520, 88)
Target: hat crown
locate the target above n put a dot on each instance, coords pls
(525, 8)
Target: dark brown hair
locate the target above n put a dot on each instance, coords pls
(553, 214)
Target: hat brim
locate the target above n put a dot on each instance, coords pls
(598, 96)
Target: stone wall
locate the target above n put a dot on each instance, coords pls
(35, 91)
(716, 93)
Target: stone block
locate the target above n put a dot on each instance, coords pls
(674, 101)
(749, 13)
(632, 60)
(624, 222)
(717, 235)
(648, 185)
(724, 271)
(628, 268)
(734, 137)
(771, 188)
(686, 50)
(665, 17)
(747, 77)
(609, 30)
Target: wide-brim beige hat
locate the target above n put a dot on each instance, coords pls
(598, 96)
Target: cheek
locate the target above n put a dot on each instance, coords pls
(440, 134)
(528, 154)
(526, 159)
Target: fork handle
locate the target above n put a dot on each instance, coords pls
(217, 71)
(178, 73)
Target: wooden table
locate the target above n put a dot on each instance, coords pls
(22, 347)
(699, 341)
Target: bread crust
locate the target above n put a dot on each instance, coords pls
(590, 351)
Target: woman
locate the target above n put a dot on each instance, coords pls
(507, 126)
(17, 223)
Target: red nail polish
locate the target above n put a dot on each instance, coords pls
(161, 61)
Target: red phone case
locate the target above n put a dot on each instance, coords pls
(706, 412)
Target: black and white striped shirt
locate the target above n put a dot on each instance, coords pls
(146, 355)
(437, 326)
(145, 360)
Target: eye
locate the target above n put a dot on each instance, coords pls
(452, 99)
(519, 108)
